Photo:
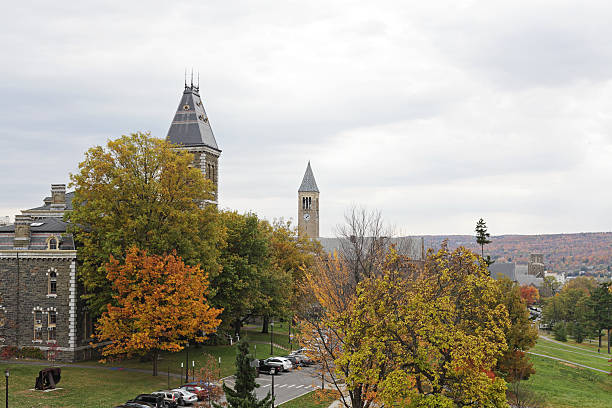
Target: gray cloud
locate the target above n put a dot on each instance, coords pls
(437, 113)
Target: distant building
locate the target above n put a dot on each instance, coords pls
(308, 205)
(531, 274)
(5, 220)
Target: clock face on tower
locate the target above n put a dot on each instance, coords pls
(306, 217)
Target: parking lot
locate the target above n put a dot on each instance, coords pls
(287, 386)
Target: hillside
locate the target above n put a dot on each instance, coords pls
(590, 252)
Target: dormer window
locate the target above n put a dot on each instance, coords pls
(53, 243)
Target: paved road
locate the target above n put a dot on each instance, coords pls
(567, 361)
(287, 386)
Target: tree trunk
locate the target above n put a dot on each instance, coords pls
(155, 358)
(237, 327)
(608, 341)
(599, 343)
(266, 321)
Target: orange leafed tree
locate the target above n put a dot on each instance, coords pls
(529, 294)
(160, 304)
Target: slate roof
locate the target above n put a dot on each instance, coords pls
(309, 184)
(47, 205)
(190, 126)
(500, 269)
(411, 247)
(39, 234)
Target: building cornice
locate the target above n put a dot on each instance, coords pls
(38, 254)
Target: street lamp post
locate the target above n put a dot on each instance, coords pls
(187, 363)
(6, 374)
(271, 335)
(273, 375)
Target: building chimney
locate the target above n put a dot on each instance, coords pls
(22, 231)
(58, 196)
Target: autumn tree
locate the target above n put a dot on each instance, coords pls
(207, 375)
(521, 334)
(243, 394)
(529, 294)
(138, 191)
(550, 286)
(430, 339)
(160, 303)
(290, 255)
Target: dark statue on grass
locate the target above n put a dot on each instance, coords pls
(243, 394)
(48, 378)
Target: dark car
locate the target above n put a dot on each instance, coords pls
(134, 405)
(294, 360)
(268, 368)
(155, 401)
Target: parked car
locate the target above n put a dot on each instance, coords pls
(134, 405)
(200, 388)
(294, 360)
(186, 398)
(301, 354)
(282, 363)
(271, 368)
(170, 397)
(155, 401)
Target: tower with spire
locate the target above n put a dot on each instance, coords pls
(190, 130)
(308, 206)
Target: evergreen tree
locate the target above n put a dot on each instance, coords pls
(243, 394)
(601, 311)
(482, 236)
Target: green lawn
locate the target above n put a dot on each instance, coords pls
(584, 355)
(172, 361)
(80, 387)
(281, 339)
(562, 386)
(314, 399)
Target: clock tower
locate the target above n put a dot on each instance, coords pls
(308, 206)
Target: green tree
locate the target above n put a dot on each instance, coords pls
(482, 236)
(243, 394)
(601, 311)
(138, 191)
(550, 286)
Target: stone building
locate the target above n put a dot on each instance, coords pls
(39, 303)
(308, 205)
(190, 130)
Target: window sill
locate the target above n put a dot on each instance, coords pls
(53, 295)
(37, 341)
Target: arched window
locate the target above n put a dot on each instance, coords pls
(51, 324)
(52, 283)
(52, 243)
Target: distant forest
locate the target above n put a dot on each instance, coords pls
(590, 252)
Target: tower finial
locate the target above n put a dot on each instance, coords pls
(191, 77)
(198, 80)
(185, 77)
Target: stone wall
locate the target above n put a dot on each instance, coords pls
(24, 290)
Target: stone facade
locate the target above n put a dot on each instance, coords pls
(308, 206)
(40, 302)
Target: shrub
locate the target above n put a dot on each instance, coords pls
(560, 332)
(31, 352)
(9, 352)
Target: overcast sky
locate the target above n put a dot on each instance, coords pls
(436, 113)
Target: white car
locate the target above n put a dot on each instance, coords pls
(283, 362)
(187, 397)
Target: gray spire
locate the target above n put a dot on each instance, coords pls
(308, 182)
(190, 126)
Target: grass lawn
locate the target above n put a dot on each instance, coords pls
(584, 355)
(81, 387)
(172, 361)
(560, 385)
(281, 339)
(314, 399)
